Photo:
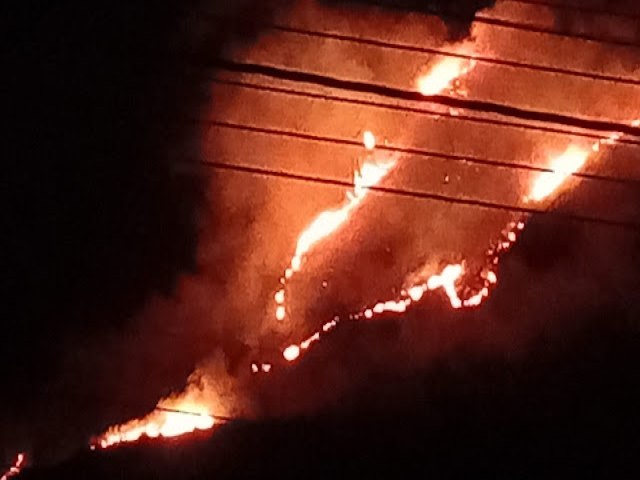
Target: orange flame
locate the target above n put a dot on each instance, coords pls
(327, 222)
(567, 164)
(369, 140)
(172, 417)
(563, 166)
(445, 75)
(189, 412)
(447, 279)
(16, 468)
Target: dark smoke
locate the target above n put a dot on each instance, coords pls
(457, 14)
(612, 20)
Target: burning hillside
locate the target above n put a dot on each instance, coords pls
(359, 179)
(462, 288)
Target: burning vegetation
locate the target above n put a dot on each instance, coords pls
(188, 412)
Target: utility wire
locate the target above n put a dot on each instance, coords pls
(574, 8)
(446, 53)
(414, 151)
(549, 31)
(482, 19)
(420, 111)
(195, 414)
(269, 173)
(435, 51)
(400, 94)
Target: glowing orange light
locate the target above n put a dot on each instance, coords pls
(329, 221)
(446, 280)
(563, 166)
(16, 468)
(174, 416)
(416, 292)
(291, 353)
(445, 75)
(369, 140)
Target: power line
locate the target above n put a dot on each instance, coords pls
(482, 19)
(399, 94)
(479, 18)
(419, 111)
(437, 51)
(195, 414)
(578, 8)
(415, 151)
(549, 31)
(259, 171)
(445, 53)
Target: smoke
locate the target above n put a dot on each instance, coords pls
(197, 282)
(457, 14)
(545, 288)
(615, 21)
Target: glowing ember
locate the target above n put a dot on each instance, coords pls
(291, 353)
(16, 468)
(446, 280)
(369, 140)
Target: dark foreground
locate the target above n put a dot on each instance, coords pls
(570, 411)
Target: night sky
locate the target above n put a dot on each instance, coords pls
(100, 99)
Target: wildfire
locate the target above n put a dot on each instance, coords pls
(16, 468)
(189, 411)
(544, 186)
(444, 75)
(327, 222)
(171, 418)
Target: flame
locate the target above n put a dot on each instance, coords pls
(445, 280)
(445, 75)
(291, 353)
(369, 140)
(572, 160)
(16, 468)
(327, 222)
(448, 280)
(563, 166)
(171, 418)
(188, 412)
(330, 220)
